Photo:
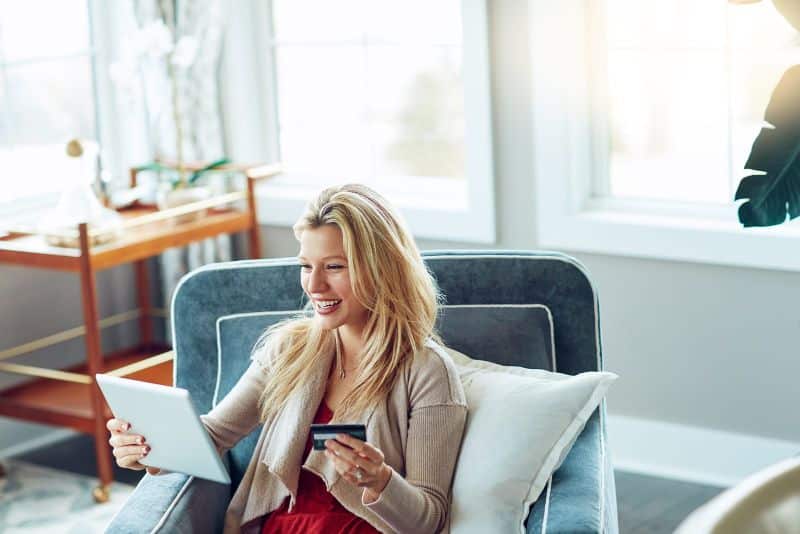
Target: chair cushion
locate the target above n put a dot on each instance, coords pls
(236, 336)
(526, 330)
(521, 425)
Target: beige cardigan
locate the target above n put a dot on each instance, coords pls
(418, 428)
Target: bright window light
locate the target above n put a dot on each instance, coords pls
(687, 83)
(371, 91)
(46, 93)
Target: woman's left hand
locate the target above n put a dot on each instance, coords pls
(359, 463)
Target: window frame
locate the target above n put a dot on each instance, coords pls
(252, 128)
(570, 216)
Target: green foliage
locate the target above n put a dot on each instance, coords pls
(172, 176)
(210, 167)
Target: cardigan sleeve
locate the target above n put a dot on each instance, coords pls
(419, 501)
(236, 415)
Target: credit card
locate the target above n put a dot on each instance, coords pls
(320, 433)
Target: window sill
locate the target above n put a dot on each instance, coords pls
(691, 238)
(433, 208)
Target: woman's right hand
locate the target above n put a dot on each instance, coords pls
(128, 448)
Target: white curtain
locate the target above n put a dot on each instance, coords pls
(196, 30)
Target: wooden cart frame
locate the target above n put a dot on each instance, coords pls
(61, 397)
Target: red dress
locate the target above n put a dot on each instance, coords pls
(316, 511)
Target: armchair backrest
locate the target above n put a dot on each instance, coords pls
(532, 309)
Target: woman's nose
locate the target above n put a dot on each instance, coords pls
(316, 282)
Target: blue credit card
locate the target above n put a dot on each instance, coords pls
(320, 433)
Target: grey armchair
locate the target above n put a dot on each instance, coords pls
(541, 305)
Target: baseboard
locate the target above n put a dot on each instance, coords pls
(51, 437)
(689, 453)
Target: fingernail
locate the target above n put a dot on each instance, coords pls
(140, 440)
(126, 426)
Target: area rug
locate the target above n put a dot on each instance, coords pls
(40, 500)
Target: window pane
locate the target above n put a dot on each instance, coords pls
(386, 102)
(671, 24)
(50, 102)
(47, 104)
(323, 123)
(688, 82)
(416, 99)
(415, 21)
(318, 20)
(30, 170)
(42, 28)
(668, 126)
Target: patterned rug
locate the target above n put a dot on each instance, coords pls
(41, 500)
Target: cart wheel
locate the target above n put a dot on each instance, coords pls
(101, 494)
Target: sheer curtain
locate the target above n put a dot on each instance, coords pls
(195, 29)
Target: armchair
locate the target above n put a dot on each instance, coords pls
(541, 305)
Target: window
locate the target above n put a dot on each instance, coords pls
(386, 93)
(645, 112)
(687, 83)
(47, 93)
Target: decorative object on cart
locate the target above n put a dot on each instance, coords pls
(774, 193)
(79, 204)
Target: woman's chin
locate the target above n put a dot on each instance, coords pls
(326, 322)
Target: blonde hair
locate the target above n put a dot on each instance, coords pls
(388, 278)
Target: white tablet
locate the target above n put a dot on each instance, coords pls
(166, 417)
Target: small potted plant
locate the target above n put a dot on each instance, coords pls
(177, 187)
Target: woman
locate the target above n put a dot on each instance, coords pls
(369, 354)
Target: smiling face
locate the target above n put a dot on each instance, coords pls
(325, 277)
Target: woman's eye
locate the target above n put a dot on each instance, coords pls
(305, 267)
(335, 266)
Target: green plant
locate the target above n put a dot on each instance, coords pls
(775, 194)
(173, 176)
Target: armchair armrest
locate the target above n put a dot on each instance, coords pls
(173, 503)
(583, 497)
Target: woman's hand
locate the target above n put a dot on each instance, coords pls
(128, 448)
(360, 464)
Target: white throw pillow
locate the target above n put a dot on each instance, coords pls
(520, 426)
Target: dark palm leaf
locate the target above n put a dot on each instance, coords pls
(776, 152)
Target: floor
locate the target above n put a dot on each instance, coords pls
(647, 505)
(650, 505)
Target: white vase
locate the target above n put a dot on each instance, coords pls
(173, 198)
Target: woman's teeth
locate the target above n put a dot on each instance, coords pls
(324, 304)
